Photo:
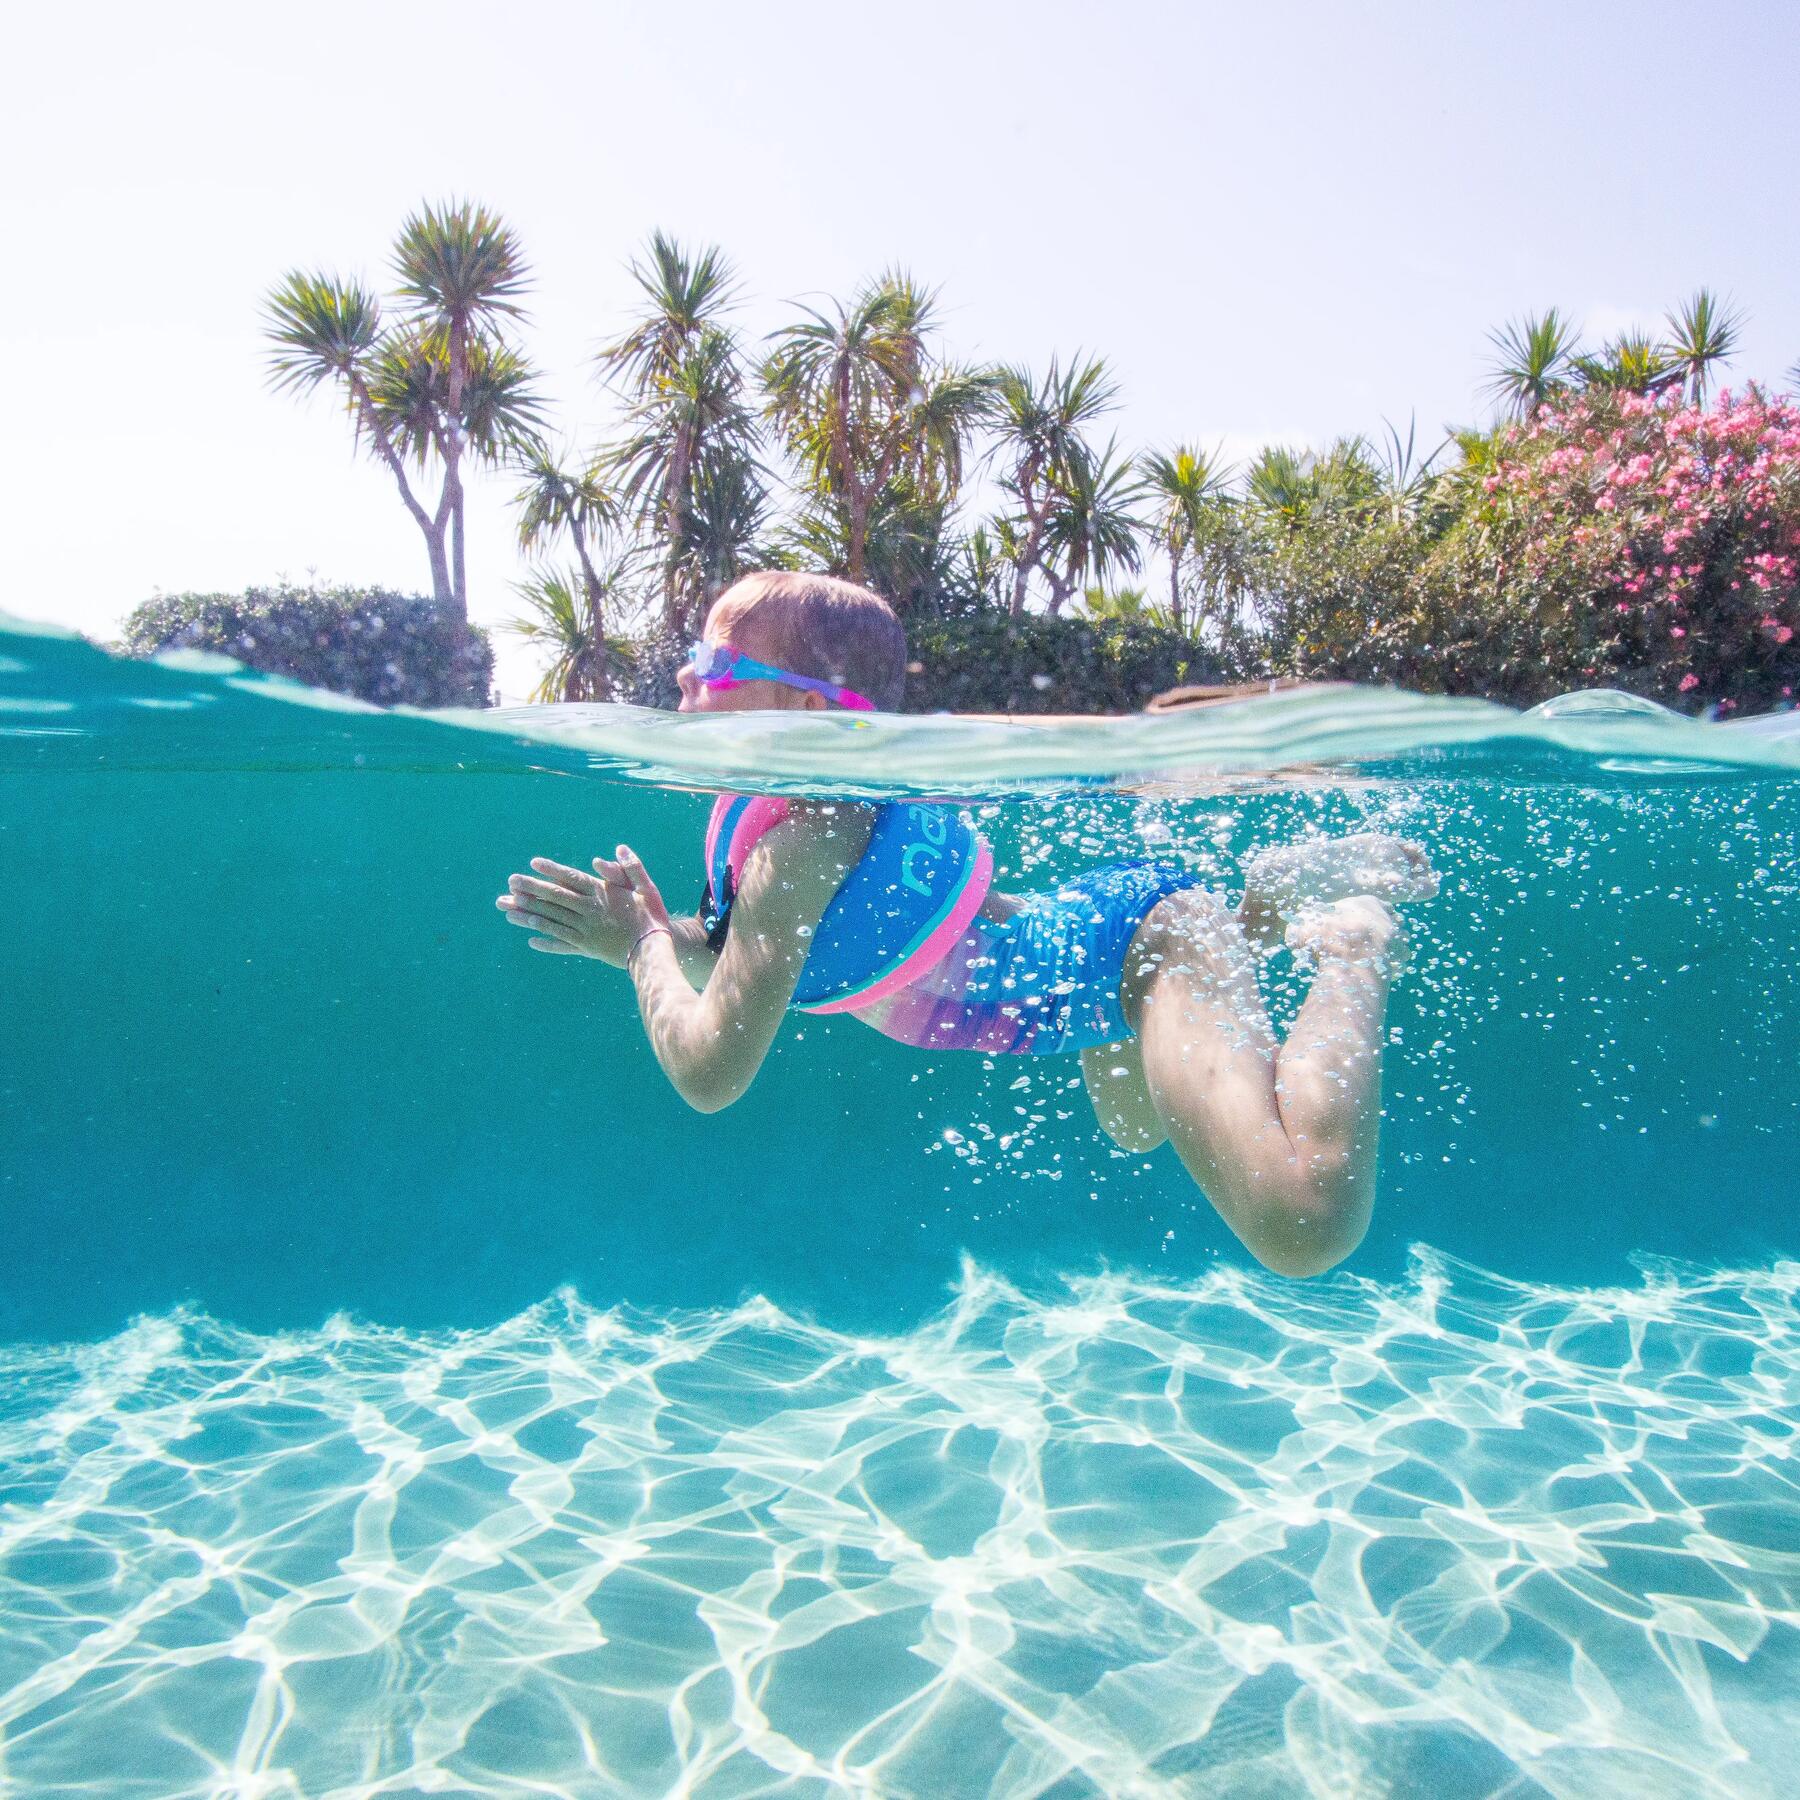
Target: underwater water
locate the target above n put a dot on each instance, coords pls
(401, 1392)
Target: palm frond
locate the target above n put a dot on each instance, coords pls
(556, 498)
(1631, 363)
(685, 295)
(460, 262)
(1703, 333)
(322, 329)
(1533, 362)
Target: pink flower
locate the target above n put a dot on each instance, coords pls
(1689, 683)
(1678, 631)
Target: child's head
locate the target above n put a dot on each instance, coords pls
(809, 625)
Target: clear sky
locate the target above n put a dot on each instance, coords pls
(1279, 220)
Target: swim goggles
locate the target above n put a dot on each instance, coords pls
(722, 666)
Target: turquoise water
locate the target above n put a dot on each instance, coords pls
(403, 1393)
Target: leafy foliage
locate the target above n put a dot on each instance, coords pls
(440, 384)
(389, 649)
(875, 419)
(566, 616)
(687, 466)
(989, 661)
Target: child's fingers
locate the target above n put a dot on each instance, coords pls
(638, 876)
(547, 894)
(551, 947)
(542, 922)
(610, 873)
(578, 879)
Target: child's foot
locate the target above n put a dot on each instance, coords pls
(1360, 929)
(1285, 880)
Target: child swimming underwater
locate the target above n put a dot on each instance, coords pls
(888, 913)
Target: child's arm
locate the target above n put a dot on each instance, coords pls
(712, 1043)
(573, 913)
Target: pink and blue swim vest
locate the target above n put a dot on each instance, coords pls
(899, 912)
(906, 946)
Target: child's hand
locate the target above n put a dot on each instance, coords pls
(629, 878)
(574, 914)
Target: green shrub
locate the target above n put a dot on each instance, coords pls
(991, 662)
(647, 677)
(387, 648)
(1618, 540)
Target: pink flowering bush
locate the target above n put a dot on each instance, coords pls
(1644, 542)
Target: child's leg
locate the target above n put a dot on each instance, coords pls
(1280, 1137)
(1283, 881)
(1114, 1074)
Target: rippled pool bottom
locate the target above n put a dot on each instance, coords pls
(1450, 1536)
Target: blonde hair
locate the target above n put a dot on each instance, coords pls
(819, 626)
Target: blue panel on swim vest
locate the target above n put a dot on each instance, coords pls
(916, 864)
(918, 860)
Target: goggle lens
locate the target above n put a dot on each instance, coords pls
(711, 662)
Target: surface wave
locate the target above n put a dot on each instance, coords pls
(58, 693)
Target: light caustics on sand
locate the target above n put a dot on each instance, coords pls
(1454, 1536)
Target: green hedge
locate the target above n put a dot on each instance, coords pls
(387, 648)
(991, 662)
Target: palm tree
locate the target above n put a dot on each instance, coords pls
(1702, 333)
(1040, 425)
(1534, 362)
(1407, 480)
(563, 620)
(688, 463)
(1127, 605)
(1183, 485)
(984, 565)
(462, 273)
(908, 555)
(728, 506)
(1294, 486)
(688, 433)
(441, 384)
(685, 294)
(1276, 481)
(862, 402)
(1092, 527)
(556, 502)
(1631, 363)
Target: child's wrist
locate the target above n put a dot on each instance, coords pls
(642, 937)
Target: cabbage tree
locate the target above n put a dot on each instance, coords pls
(1040, 424)
(687, 467)
(869, 410)
(439, 385)
(1185, 488)
(558, 502)
(1093, 529)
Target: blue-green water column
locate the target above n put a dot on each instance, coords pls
(269, 1048)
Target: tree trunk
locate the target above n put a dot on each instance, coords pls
(458, 565)
(1175, 617)
(441, 590)
(433, 529)
(675, 488)
(602, 678)
(452, 447)
(859, 534)
(1034, 536)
